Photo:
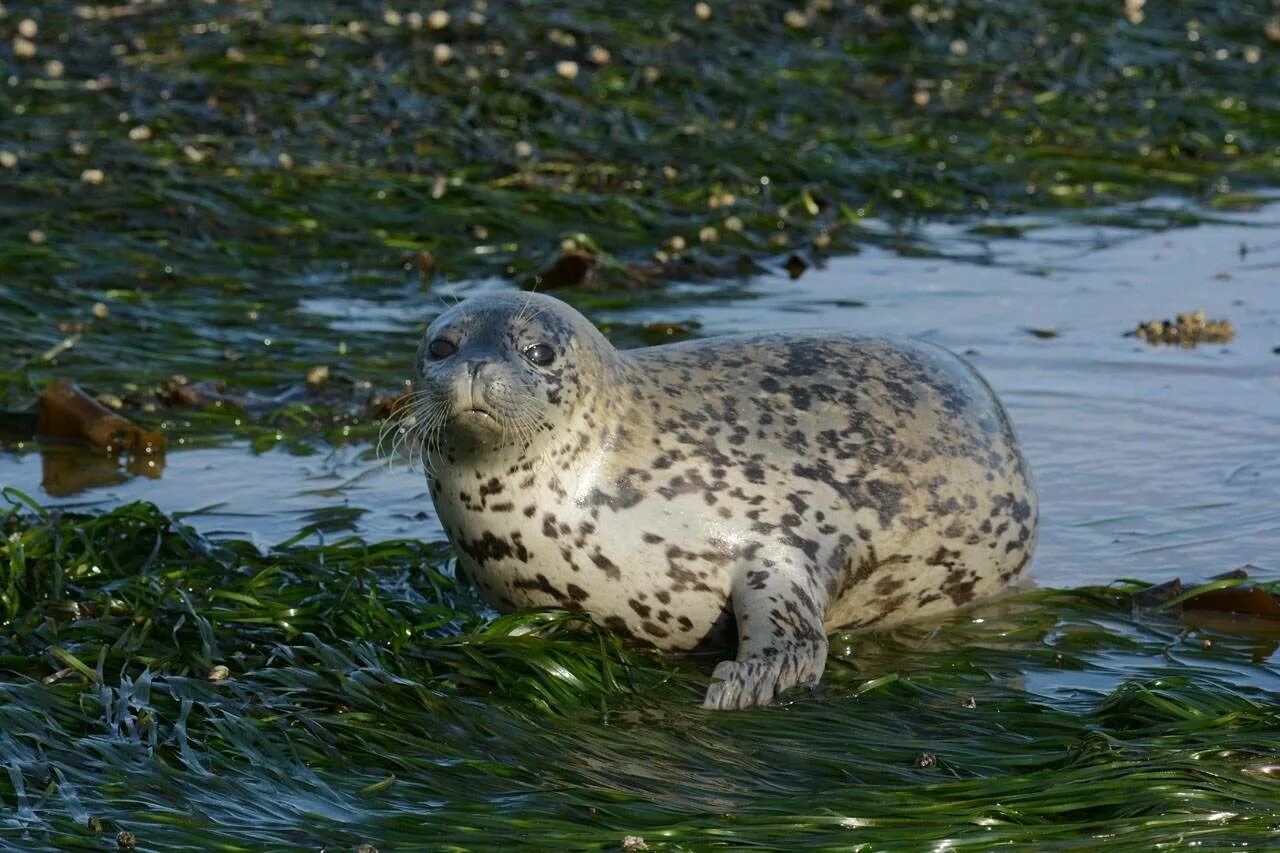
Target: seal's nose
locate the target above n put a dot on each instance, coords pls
(474, 384)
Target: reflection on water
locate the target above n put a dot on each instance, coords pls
(231, 491)
(1262, 631)
(1151, 462)
(68, 471)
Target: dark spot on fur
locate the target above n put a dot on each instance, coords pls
(618, 625)
(653, 630)
(959, 586)
(540, 583)
(606, 565)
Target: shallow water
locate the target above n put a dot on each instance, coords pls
(1151, 461)
(1052, 715)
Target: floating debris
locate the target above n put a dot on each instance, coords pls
(796, 19)
(569, 270)
(671, 328)
(795, 266)
(1042, 334)
(1227, 602)
(318, 375)
(69, 414)
(424, 261)
(180, 391)
(1187, 330)
(24, 48)
(1251, 600)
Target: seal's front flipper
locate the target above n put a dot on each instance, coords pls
(781, 642)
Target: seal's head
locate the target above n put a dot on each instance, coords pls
(499, 371)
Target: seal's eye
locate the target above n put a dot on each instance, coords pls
(540, 354)
(440, 348)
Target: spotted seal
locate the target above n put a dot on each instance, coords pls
(777, 485)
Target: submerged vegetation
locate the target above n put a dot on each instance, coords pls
(233, 219)
(200, 694)
(183, 181)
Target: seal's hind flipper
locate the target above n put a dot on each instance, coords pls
(781, 642)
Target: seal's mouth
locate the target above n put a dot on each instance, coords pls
(475, 415)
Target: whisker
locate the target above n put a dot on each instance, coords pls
(405, 432)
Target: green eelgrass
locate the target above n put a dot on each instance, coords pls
(255, 155)
(368, 699)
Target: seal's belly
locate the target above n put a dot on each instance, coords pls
(669, 589)
(663, 572)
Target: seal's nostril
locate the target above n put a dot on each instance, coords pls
(474, 367)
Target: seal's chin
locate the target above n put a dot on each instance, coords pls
(474, 421)
(473, 433)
